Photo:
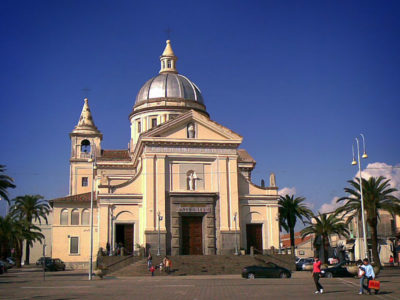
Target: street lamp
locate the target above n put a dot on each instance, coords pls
(159, 236)
(94, 167)
(236, 242)
(354, 162)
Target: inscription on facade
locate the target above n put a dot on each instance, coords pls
(190, 150)
(191, 208)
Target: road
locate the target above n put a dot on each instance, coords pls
(28, 283)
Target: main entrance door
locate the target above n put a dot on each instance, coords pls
(192, 237)
(124, 236)
(254, 236)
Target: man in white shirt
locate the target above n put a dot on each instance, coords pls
(367, 274)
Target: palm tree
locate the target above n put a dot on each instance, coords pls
(322, 227)
(377, 195)
(6, 182)
(6, 235)
(291, 209)
(30, 208)
(13, 232)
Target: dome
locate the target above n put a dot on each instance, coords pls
(169, 85)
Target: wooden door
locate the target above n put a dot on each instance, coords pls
(254, 236)
(192, 237)
(128, 238)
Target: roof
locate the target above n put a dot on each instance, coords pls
(170, 86)
(244, 156)
(114, 155)
(85, 197)
(285, 239)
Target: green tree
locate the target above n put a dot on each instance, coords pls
(13, 232)
(378, 196)
(30, 208)
(322, 227)
(6, 182)
(292, 209)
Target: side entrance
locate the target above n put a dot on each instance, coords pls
(124, 236)
(254, 237)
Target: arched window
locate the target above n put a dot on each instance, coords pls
(85, 217)
(75, 217)
(85, 146)
(191, 180)
(64, 217)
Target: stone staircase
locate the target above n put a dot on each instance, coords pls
(200, 265)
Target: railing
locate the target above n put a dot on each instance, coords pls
(85, 155)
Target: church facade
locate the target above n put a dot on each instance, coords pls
(182, 187)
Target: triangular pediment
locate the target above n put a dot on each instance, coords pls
(195, 125)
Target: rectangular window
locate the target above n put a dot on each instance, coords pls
(153, 123)
(84, 181)
(139, 127)
(74, 245)
(169, 64)
(301, 252)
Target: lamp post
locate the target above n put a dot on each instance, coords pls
(159, 234)
(236, 242)
(93, 161)
(354, 162)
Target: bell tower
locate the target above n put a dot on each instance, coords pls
(85, 144)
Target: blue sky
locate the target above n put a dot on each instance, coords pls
(297, 79)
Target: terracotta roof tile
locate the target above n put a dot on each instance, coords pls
(114, 155)
(285, 239)
(244, 156)
(85, 197)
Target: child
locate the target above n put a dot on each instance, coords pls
(152, 269)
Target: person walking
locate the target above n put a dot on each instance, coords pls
(167, 265)
(149, 261)
(316, 274)
(367, 273)
(152, 269)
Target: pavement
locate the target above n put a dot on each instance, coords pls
(28, 283)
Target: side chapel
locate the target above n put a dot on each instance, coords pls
(183, 176)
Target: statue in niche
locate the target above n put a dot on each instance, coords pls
(191, 180)
(191, 131)
(272, 180)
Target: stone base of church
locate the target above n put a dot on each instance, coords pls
(152, 242)
(228, 241)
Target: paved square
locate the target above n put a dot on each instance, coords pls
(29, 284)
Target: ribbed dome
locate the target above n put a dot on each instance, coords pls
(169, 85)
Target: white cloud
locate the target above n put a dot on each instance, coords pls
(287, 191)
(372, 170)
(329, 207)
(381, 169)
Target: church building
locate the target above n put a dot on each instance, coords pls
(182, 187)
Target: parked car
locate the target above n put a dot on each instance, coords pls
(6, 264)
(55, 264)
(339, 270)
(271, 270)
(39, 262)
(300, 264)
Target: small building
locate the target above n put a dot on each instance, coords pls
(303, 247)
